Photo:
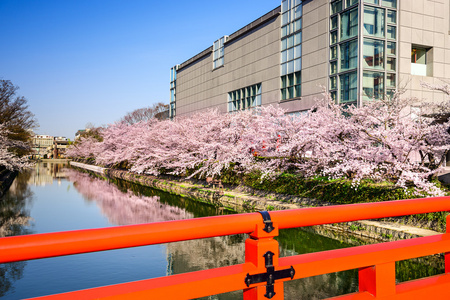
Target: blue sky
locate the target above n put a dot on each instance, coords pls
(81, 61)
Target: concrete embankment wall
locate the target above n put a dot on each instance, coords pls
(243, 199)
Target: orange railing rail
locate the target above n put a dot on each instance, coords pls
(263, 273)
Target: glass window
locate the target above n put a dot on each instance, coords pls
(391, 48)
(373, 54)
(333, 67)
(283, 56)
(297, 38)
(298, 11)
(290, 67)
(284, 69)
(349, 90)
(333, 52)
(297, 25)
(391, 32)
(285, 5)
(218, 52)
(374, 21)
(390, 64)
(389, 3)
(245, 98)
(333, 83)
(333, 37)
(349, 3)
(297, 51)
(290, 41)
(285, 30)
(334, 23)
(285, 18)
(372, 1)
(390, 80)
(297, 64)
(373, 85)
(336, 6)
(291, 86)
(392, 16)
(283, 44)
(418, 55)
(333, 95)
(349, 55)
(349, 24)
(290, 54)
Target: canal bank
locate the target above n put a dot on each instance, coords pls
(244, 199)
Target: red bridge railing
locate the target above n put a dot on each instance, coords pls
(263, 273)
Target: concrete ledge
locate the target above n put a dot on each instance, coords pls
(92, 168)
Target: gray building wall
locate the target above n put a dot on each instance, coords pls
(251, 56)
(426, 23)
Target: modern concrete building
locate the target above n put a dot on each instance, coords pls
(356, 49)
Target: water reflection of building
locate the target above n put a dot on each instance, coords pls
(45, 173)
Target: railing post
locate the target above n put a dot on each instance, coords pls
(447, 254)
(379, 280)
(260, 247)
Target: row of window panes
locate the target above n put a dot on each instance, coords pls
(291, 66)
(385, 3)
(218, 53)
(338, 6)
(286, 4)
(172, 95)
(374, 57)
(218, 62)
(348, 87)
(244, 98)
(291, 15)
(348, 59)
(348, 24)
(373, 84)
(291, 28)
(291, 41)
(173, 74)
(374, 23)
(172, 110)
(291, 53)
(291, 86)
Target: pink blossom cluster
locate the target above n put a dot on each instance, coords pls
(381, 140)
(9, 159)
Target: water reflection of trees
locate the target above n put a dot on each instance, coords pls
(124, 208)
(14, 219)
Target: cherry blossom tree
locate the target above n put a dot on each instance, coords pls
(381, 140)
(8, 158)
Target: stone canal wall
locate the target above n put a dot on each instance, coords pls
(244, 199)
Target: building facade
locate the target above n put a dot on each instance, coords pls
(357, 50)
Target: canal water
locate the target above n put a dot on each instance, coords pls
(52, 197)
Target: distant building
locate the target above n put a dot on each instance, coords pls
(43, 145)
(358, 50)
